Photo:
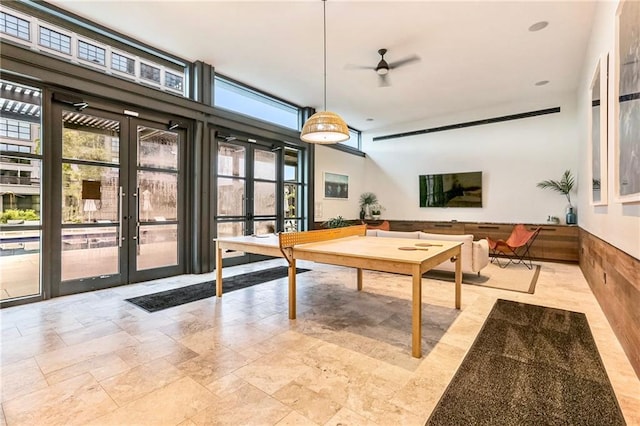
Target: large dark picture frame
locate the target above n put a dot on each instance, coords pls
(451, 190)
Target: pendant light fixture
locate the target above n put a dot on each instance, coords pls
(325, 127)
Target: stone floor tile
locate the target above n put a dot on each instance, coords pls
(140, 381)
(240, 360)
(74, 402)
(170, 405)
(246, 406)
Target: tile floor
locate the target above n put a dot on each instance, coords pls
(95, 359)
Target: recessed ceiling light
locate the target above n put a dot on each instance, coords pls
(542, 82)
(538, 26)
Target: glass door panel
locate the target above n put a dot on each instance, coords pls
(157, 148)
(120, 190)
(231, 159)
(20, 191)
(293, 191)
(231, 229)
(20, 263)
(157, 246)
(264, 165)
(265, 202)
(261, 227)
(247, 189)
(264, 199)
(156, 198)
(91, 182)
(232, 189)
(80, 204)
(231, 197)
(90, 252)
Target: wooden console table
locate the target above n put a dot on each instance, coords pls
(555, 243)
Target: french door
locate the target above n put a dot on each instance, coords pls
(121, 186)
(248, 190)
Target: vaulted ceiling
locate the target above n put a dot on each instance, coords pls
(473, 54)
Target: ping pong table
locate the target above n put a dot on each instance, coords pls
(350, 247)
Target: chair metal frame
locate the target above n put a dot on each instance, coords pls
(515, 248)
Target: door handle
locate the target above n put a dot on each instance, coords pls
(121, 217)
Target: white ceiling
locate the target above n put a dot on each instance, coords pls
(474, 54)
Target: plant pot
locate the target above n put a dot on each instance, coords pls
(375, 216)
(367, 212)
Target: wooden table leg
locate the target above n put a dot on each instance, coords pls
(458, 280)
(359, 279)
(218, 270)
(292, 289)
(416, 316)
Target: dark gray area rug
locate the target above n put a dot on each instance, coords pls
(179, 296)
(530, 365)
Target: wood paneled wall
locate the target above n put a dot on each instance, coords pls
(555, 243)
(614, 278)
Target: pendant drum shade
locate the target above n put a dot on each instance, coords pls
(325, 127)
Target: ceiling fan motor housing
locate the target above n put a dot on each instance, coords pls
(383, 67)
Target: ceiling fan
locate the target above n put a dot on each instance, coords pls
(383, 67)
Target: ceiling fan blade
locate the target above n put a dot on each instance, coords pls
(358, 67)
(383, 80)
(407, 60)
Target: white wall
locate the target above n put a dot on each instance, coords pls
(334, 161)
(512, 155)
(616, 223)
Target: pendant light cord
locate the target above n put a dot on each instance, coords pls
(324, 22)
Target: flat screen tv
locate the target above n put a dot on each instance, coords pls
(451, 190)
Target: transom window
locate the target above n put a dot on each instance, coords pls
(149, 73)
(91, 53)
(354, 140)
(173, 81)
(14, 26)
(166, 73)
(123, 64)
(241, 99)
(55, 40)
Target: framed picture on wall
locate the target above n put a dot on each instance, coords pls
(336, 186)
(598, 149)
(626, 103)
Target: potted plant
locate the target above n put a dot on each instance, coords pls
(563, 186)
(336, 222)
(367, 199)
(376, 211)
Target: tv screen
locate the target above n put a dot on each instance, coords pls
(451, 190)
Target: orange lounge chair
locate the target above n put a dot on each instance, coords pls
(384, 226)
(515, 248)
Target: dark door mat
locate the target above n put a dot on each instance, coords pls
(179, 296)
(530, 365)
